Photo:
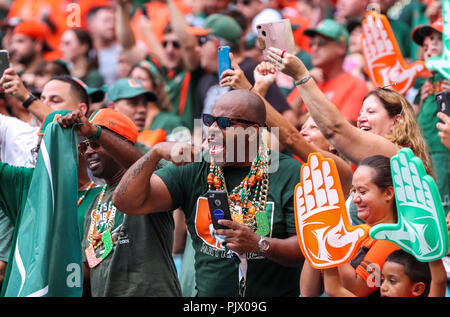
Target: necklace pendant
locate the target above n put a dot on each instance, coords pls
(236, 214)
(262, 223)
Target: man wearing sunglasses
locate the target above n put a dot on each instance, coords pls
(140, 262)
(273, 263)
(329, 42)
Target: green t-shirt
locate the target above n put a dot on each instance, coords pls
(140, 263)
(174, 85)
(91, 194)
(427, 117)
(6, 234)
(166, 121)
(216, 274)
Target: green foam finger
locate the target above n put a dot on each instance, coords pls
(421, 228)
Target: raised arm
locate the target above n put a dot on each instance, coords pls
(288, 134)
(438, 279)
(140, 191)
(13, 85)
(333, 285)
(187, 40)
(123, 152)
(346, 138)
(125, 34)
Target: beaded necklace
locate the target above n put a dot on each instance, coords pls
(80, 200)
(95, 229)
(248, 200)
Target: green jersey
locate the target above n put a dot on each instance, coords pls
(140, 263)
(216, 273)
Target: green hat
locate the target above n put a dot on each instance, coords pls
(222, 26)
(127, 88)
(52, 117)
(331, 29)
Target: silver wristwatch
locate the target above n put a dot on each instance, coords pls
(263, 246)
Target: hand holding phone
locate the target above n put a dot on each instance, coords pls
(4, 61)
(443, 102)
(218, 207)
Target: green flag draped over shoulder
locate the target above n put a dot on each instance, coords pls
(47, 254)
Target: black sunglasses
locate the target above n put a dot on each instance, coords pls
(82, 146)
(223, 122)
(175, 44)
(203, 39)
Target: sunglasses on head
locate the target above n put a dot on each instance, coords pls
(82, 146)
(223, 122)
(175, 44)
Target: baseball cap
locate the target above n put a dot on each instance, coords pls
(52, 117)
(421, 31)
(331, 29)
(115, 121)
(34, 29)
(219, 25)
(126, 88)
(94, 93)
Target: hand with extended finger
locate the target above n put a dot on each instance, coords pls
(385, 63)
(234, 77)
(325, 235)
(421, 228)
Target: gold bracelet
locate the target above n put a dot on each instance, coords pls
(303, 80)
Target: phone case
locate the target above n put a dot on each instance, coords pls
(443, 102)
(218, 207)
(276, 34)
(4, 61)
(223, 54)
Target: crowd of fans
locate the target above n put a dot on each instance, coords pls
(134, 77)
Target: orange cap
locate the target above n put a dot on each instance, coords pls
(117, 122)
(421, 31)
(34, 29)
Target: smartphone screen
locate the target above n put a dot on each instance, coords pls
(223, 54)
(4, 61)
(218, 207)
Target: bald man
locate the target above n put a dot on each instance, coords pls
(264, 240)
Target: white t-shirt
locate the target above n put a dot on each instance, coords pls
(17, 138)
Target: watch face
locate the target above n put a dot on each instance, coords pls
(264, 245)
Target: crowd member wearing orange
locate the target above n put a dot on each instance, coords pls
(370, 270)
(329, 42)
(386, 122)
(138, 261)
(28, 45)
(52, 12)
(77, 50)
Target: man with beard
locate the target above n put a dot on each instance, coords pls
(262, 233)
(127, 255)
(28, 46)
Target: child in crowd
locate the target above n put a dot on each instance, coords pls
(402, 276)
